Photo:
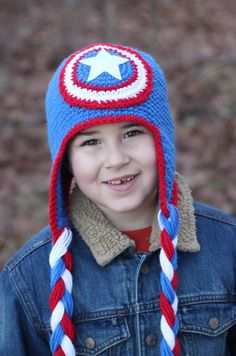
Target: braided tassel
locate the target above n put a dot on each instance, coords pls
(61, 302)
(168, 299)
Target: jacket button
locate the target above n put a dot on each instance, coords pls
(144, 269)
(90, 343)
(214, 323)
(151, 340)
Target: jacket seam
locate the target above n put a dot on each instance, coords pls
(150, 307)
(206, 298)
(17, 259)
(40, 327)
(203, 213)
(205, 331)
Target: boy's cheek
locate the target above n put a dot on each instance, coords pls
(83, 174)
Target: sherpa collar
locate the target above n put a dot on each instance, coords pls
(106, 242)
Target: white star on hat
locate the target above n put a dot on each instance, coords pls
(104, 62)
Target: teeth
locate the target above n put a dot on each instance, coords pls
(127, 179)
(120, 181)
(115, 182)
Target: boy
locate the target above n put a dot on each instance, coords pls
(113, 259)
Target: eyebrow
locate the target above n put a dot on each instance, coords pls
(94, 132)
(82, 133)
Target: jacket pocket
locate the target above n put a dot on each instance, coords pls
(204, 328)
(98, 337)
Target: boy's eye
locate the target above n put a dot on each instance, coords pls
(133, 133)
(91, 142)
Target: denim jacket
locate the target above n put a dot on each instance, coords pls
(116, 311)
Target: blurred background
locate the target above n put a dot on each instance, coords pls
(193, 40)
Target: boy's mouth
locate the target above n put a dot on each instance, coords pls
(118, 181)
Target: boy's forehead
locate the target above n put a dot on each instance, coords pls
(108, 126)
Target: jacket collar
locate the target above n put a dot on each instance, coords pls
(106, 242)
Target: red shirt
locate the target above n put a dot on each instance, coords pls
(141, 238)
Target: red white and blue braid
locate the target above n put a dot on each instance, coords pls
(168, 299)
(169, 222)
(61, 301)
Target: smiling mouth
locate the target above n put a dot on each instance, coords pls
(120, 181)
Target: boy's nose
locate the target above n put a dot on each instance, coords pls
(116, 157)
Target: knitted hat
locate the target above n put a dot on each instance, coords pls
(105, 83)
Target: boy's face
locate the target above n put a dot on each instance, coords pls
(115, 166)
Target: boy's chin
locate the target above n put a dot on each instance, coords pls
(124, 208)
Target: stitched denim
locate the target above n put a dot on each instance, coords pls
(117, 310)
